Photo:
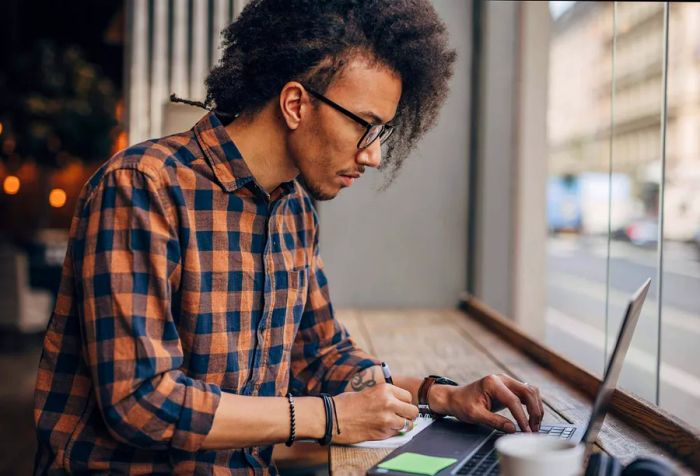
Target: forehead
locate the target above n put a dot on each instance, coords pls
(364, 86)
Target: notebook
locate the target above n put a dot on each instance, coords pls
(421, 423)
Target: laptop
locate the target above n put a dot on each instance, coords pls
(473, 445)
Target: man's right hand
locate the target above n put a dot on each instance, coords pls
(376, 413)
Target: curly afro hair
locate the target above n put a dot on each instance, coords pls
(276, 41)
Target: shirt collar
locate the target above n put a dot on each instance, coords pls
(226, 161)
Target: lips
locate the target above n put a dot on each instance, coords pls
(348, 179)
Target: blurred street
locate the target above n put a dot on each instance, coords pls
(576, 324)
(18, 374)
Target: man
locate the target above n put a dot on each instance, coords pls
(193, 296)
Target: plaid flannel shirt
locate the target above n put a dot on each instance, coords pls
(183, 278)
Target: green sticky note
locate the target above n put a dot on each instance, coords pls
(417, 463)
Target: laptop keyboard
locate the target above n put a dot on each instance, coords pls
(485, 461)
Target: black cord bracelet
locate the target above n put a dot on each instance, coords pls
(335, 413)
(292, 421)
(327, 405)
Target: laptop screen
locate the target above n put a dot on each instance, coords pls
(612, 374)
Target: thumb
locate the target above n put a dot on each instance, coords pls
(496, 421)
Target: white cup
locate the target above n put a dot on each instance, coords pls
(532, 454)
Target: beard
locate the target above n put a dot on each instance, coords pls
(314, 189)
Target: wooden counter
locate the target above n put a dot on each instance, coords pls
(461, 347)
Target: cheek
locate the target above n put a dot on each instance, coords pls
(309, 155)
(336, 138)
(322, 151)
(325, 155)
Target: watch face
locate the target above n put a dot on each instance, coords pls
(440, 380)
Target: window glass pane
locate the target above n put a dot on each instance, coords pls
(611, 188)
(680, 313)
(578, 123)
(634, 180)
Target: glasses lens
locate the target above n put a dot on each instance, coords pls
(371, 135)
(385, 133)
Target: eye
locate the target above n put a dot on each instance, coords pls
(386, 133)
(371, 136)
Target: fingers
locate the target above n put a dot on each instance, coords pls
(397, 409)
(402, 404)
(530, 396)
(400, 393)
(503, 394)
(406, 410)
(495, 420)
(402, 425)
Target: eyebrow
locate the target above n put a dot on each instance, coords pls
(375, 119)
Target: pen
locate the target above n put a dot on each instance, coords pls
(387, 373)
(388, 379)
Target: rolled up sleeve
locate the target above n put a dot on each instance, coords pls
(324, 356)
(127, 263)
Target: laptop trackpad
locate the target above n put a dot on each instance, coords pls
(447, 437)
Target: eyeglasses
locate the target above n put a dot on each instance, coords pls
(372, 131)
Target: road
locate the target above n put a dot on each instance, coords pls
(576, 316)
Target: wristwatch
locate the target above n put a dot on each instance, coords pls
(429, 381)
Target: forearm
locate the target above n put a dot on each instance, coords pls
(371, 376)
(242, 421)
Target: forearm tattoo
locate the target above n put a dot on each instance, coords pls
(363, 379)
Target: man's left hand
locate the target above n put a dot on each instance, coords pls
(478, 402)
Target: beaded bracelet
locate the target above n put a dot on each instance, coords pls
(292, 421)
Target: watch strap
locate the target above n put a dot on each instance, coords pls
(429, 381)
(423, 390)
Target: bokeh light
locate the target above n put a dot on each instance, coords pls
(57, 197)
(11, 185)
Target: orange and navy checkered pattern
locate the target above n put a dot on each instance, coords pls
(183, 279)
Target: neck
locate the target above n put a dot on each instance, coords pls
(260, 141)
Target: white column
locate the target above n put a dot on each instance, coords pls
(238, 6)
(530, 257)
(200, 66)
(494, 226)
(221, 21)
(159, 66)
(138, 71)
(178, 82)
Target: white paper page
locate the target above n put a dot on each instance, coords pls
(419, 425)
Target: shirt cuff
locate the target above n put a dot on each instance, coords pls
(197, 416)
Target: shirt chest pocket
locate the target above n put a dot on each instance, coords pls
(292, 287)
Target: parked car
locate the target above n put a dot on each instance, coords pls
(643, 232)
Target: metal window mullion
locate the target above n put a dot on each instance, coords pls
(662, 188)
(608, 278)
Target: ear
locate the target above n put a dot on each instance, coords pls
(293, 103)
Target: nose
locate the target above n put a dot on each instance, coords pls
(370, 156)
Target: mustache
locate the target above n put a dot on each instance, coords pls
(360, 170)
